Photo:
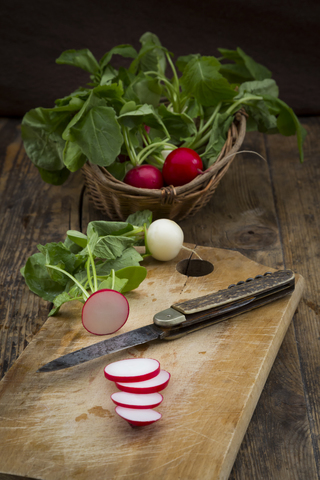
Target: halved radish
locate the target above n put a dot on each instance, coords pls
(137, 417)
(156, 384)
(137, 400)
(105, 312)
(132, 370)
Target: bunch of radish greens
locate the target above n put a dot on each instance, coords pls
(95, 269)
(134, 116)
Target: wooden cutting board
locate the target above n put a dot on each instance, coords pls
(62, 425)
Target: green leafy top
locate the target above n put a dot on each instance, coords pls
(103, 258)
(189, 102)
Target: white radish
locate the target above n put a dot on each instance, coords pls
(166, 151)
(164, 239)
(105, 312)
(137, 417)
(137, 400)
(155, 384)
(132, 370)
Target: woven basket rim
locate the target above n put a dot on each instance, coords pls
(107, 179)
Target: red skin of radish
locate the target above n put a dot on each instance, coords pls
(125, 413)
(181, 166)
(126, 401)
(146, 372)
(111, 305)
(144, 176)
(146, 386)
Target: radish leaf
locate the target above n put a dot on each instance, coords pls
(201, 79)
(79, 58)
(98, 135)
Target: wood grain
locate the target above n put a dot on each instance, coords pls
(31, 213)
(267, 211)
(244, 216)
(281, 444)
(298, 205)
(217, 375)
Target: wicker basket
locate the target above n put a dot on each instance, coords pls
(118, 200)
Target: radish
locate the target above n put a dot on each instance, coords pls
(137, 400)
(164, 239)
(132, 370)
(166, 151)
(144, 176)
(138, 418)
(181, 166)
(155, 384)
(105, 312)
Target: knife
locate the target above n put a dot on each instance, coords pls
(186, 317)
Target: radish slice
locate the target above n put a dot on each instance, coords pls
(105, 312)
(156, 384)
(137, 400)
(138, 417)
(132, 370)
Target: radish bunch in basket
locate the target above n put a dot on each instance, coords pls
(139, 380)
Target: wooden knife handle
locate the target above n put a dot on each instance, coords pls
(251, 287)
(197, 321)
(233, 299)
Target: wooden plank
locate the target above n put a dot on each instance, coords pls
(31, 212)
(62, 424)
(298, 204)
(242, 215)
(282, 414)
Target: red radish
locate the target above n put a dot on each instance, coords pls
(181, 166)
(138, 418)
(137, 400)
(144, 176)
(105, 312)
(147, 129)
(156, 384)
(132, 370)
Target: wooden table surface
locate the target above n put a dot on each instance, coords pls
(267, 210)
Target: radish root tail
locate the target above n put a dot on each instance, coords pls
(191, 250)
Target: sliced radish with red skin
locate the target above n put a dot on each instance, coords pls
(138, 417)
(105, 312)
(132, 370)
(156, 384)
(137, 400)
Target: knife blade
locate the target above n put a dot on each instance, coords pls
(186, 317)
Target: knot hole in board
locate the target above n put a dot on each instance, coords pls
(194, 268)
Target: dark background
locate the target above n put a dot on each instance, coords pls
(284, 36)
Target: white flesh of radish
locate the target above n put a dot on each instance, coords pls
(156, 384)
(138, 417)
(164, 239)
(132, 370)
(137, 400)
(105, 312)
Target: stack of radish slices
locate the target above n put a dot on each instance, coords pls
(139, 380)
